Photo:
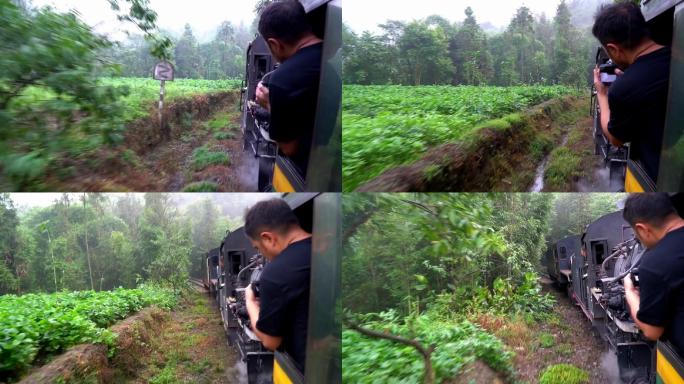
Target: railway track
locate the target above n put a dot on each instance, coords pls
(197, 283)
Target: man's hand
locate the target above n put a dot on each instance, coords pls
(262, 95)
(628, 283)
(250, 297)
(270, 342)
(633, 299)
(602, 99)
(601, 89)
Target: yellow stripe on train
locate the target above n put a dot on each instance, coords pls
(667, 374)
(279, 375)
(280, 181)
(631, 183)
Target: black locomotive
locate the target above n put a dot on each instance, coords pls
(592, 267)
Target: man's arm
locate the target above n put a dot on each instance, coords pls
(602, 97)
(633, 299)
(269, 342)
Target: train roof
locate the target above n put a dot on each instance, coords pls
(570, 241)
(295, 200)
(653, 8)
(235, 240)
(611, 227)
(213, 253)
(258, 46)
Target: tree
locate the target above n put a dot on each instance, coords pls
(470, 56)
(187, 55)
(563, 48)
(9, 222)
(423, 52)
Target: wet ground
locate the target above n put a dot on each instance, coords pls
(192, 348)
(585, 349)
(170, 165)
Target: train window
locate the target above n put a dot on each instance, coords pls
(563, 253)
(262, 66)
(598, 248)
(235, 261)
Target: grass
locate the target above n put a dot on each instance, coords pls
(224, 135)
(563, 166)
(219, 121)
(546, 340)
(202, 157)
(201, 186)
(563, 374)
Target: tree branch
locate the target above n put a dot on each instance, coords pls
(429, 374)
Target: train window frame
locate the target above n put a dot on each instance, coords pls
(593, 246)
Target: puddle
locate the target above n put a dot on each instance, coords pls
(538, 185)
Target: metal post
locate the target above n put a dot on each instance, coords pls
(161, 106)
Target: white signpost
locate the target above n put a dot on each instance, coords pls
(163, 72)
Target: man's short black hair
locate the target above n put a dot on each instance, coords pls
(269, 215)
(284, 20)
(621, 23)
(651, 208)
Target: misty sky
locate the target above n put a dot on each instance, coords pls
(35, 199)
(203, 15)
(364, 15)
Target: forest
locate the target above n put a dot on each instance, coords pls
(460, 275)
(100, 242)
(533, 49)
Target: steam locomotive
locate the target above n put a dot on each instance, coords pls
(591, 267)
(231, 267)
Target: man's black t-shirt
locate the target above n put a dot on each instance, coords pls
(293, 94)
(661, 280)
(284, 299)
(638, 103)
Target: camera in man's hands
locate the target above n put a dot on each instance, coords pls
(607, 72)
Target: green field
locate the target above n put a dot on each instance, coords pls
(143, 92)
(45, 324)
(386, 126)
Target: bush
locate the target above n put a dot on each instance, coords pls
(369, 360)
(563, 374)
(50, 323)
(504, 298)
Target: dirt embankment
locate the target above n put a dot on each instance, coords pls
(502, 155)
(91, 361)
(145, 134)
(186, 345)
(198, 149)
(566, 337)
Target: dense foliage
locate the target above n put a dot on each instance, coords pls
(428, 266)
(386, 126)
(531, 50)
(368, 360)
(92, 241)
(45, 324)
